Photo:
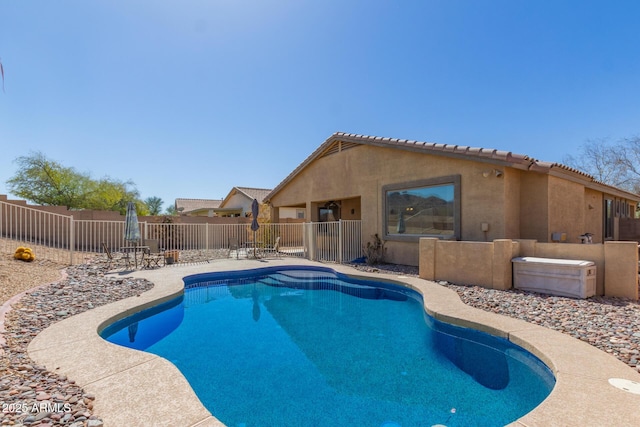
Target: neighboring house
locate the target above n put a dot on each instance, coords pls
(403, 190)
(197, 207)
(238, 202)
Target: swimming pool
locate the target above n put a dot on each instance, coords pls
(308, 346)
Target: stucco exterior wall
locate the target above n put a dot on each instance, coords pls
(534, 201)
(618, 275)
(405, 253)
(482, 199)
(239, 201)
(351, 209)
(512, 205)
(566, 208)
(465, 263)
(593, 219)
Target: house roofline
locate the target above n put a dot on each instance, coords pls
(241, 190)
(488, 155)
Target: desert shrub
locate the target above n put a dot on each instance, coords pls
(374, 251)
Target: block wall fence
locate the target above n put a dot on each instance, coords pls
(488, 264)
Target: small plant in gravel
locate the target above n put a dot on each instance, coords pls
(374, 251)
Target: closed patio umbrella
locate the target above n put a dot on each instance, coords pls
(133, 330)
(400, 227)
(255, 210)
(131, 226)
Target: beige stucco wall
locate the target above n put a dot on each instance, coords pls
(534, 213)
(566, 208)
(489, 264)
(618, 274)
(456, 260)
(486, 264)
(593, 208)
(402, 252)
(512, 205)
(350, 209)
(482, 200)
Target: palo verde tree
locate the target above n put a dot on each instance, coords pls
(46, 182)
(112, 195)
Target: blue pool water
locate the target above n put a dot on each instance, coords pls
(309, 347)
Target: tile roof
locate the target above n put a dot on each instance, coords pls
(190, 205)
(254, 193)
(489, 155)
(248, 192)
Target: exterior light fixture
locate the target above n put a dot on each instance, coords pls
(496, 172)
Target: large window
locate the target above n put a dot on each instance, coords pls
(423, 208)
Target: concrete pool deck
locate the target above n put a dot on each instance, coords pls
(134, 388)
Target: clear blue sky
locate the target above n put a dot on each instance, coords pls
(190, 98)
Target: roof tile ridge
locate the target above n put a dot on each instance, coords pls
(254, 188)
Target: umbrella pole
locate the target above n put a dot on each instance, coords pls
(254, 244)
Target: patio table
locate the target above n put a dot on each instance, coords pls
(135, 250)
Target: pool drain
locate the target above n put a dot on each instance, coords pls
(626, 385)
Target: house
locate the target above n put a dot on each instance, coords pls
(238, 202)
(403, 190)
(197, 207)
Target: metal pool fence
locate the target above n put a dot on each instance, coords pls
(62, 239)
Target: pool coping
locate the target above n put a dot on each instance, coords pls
(136, 388)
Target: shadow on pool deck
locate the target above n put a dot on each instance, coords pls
(135, 388)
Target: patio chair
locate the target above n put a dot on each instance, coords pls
(153, 255)
(112, 256)
(234, 246)
(272, 249)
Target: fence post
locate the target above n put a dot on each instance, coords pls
(310, 241)
(339, 241)
(72, 239)
(206, 236)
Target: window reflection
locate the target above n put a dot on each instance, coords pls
(425, 210)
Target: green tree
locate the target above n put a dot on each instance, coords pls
(108, 194)
(171, 210)
(154, 204)
(45, 182)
